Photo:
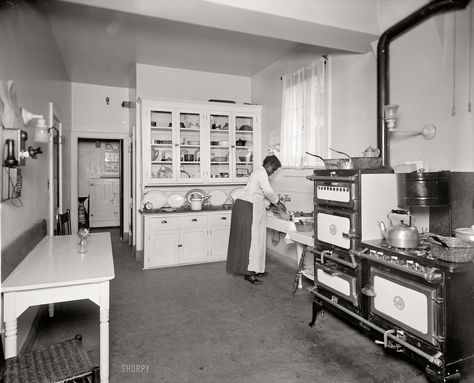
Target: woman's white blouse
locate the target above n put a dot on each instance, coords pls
(258, 184)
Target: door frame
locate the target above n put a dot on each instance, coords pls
(124, 174)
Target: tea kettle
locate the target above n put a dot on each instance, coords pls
(401, 235)
(371, 152)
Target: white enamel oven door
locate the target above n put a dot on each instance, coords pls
(410, 305)
(335, 227)
(337, 282)
(336, 193)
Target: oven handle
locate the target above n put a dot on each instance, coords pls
(333, 178)
(435, 359)
(327, 254)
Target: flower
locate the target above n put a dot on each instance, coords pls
(83, 233)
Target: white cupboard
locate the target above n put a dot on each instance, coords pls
(197, 143)
(185, 238)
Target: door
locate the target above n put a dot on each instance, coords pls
(104, 202)
(193, 245)
(219, 242)
(161, 248)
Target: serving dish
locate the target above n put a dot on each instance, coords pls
(164, 172)
(217, 198)
(235, 193)
(246, 128)
(156, 198)
(176, 200)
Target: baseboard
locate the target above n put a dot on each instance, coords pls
(139, 254)
(33, 330)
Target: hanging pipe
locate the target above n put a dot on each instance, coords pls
(383, 61)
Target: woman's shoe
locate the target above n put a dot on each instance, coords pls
(253, 280)
(260, 275)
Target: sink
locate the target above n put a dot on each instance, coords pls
(277, 223)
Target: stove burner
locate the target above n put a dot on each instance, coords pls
(423, 250)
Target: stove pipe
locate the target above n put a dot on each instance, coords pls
(383, 61)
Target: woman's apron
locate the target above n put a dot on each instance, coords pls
(258, 244)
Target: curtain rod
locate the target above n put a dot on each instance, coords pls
(325, 57)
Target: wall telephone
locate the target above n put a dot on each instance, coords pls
(13, 157)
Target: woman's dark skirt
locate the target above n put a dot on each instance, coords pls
(239, 238)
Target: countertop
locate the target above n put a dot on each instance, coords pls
(186, 209)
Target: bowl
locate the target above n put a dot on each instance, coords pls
(247, 128)
(216, 126)
(465, 234)
(240, 142)
(243, 159)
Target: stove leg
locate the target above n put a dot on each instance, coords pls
(317, 306)
(434, 377)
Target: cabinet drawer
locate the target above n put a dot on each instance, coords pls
(164, 223)
(193, 220)
(219, 219)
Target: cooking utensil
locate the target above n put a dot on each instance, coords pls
(194, 191)
(401, 235)
(331, 163)
(465, 234)
(439, 240)
(197, 200)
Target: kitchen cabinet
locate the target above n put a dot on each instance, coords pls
(197, 143)
(185, 238)
(104, 202)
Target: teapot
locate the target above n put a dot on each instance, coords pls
(371, 152)
(196, 201)
(401, 235)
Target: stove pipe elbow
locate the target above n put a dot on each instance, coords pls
(383, 61)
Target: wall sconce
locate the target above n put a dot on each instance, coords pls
(428, 131)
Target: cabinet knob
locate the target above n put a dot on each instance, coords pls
(180, 245)
(164, 221)
(194, 220)
(224, 218)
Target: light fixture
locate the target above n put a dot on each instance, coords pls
(391, 115)
(428, 131)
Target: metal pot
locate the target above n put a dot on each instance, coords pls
(465, 234)
(401, 235)
(329, 163)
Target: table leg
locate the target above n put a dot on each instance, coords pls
(104, 332)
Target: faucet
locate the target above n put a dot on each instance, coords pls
(284, 198)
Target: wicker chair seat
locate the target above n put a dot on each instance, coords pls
(65, 361)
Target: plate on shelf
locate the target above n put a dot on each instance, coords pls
(155, 155)
(201, 192)
(166, 155)
(157, 198)
(235, 193)
(176, 200)
(217, 198)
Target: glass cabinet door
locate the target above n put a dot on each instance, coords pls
(161, 146)
(219, 147)
(244, 146)
(190, 135)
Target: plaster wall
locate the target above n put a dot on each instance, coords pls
(25, 36)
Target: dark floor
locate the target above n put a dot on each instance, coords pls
(197, 324)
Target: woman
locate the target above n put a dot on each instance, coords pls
(248, 229)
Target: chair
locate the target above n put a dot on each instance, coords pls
(66, 361)
(64, 223)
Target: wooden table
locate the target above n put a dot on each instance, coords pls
(55, 272)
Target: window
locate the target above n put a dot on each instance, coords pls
(304, 115)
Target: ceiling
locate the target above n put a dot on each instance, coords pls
(101, 45)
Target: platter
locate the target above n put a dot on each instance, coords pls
(193, 191)
(156, 198)
(176, 200)
(217, 198)
(235, 193)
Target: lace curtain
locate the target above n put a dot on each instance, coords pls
(304, 115)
